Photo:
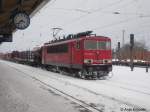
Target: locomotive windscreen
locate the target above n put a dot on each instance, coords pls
(97, 45)
(104, 45)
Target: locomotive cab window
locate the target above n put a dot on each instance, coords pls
(101, 45)
(108, 45)
(105, 45)
(97, 45)
(90, 44)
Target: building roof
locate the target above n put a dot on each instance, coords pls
(9, 7)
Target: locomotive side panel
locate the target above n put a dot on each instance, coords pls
(77, 54)
(57, 55)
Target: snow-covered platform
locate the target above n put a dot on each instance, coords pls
(125, 91)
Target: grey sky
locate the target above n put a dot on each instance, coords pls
(80, 15)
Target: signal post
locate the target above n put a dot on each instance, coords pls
(131, 51)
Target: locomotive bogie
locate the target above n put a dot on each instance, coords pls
(95, 71)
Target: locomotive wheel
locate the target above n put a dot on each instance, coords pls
(75, 74)
(102, 75)
(83, 74)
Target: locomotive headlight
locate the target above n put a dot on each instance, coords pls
(109, 61)
(88, 61)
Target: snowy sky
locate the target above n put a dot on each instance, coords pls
(75, 16)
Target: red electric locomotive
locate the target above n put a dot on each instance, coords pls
(84, 55)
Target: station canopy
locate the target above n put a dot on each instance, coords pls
(9, 7)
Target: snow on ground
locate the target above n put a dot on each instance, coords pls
(126, 89)
(21, 93)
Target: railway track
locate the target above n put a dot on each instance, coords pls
(125, 83)
(80, 102)
(88, 107)
(72, 98)
(108, 97)
(123, 87)
(106, 84)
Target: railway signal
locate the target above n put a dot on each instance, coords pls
(131, 51)
(119, 51)
(132, 40)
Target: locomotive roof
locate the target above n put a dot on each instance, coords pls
(62, 41)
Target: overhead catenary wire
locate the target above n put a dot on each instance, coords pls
(116, 23)
(127, 13)
(105, 12)
(91, 12)
(86, 12)
(68, 10)
(96, 11)
(138, 15)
